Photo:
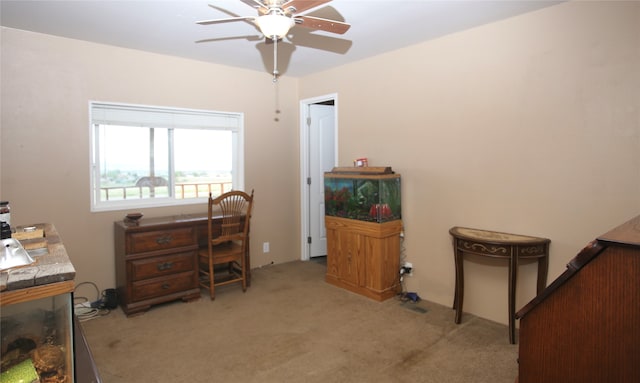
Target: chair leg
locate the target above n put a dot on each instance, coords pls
(212, 293)
(243, 270)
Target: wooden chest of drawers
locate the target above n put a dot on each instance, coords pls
(156, 262)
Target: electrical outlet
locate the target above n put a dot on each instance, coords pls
(265, 247)
(406, 269)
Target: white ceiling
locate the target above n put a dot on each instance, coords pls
(168, 27)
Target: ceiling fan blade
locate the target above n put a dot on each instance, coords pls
(227, 20)
(222, 10)
(254, 3)
(306, 38)
(248, 38)
(258, 5)
(300, 6)
(332, 26)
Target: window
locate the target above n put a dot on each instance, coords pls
(145, 156)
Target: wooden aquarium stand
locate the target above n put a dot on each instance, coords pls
(364, 257)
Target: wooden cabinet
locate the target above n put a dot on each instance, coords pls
(364, 257)
(584, 327)
(156, 262)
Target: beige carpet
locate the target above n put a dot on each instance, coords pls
(291, 326)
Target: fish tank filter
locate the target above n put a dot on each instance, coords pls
(370, 194)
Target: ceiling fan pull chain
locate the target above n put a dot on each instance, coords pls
(276, 94)
(275, 58)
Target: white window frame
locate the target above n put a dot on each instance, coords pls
(161, 117)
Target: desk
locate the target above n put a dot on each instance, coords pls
(498, 245)
(157, 259)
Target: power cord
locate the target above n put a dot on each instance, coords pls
(404, 295)
(403, 257)
(85, 309)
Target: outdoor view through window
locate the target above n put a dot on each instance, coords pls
(138, 165)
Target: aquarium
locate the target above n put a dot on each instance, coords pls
(37, 340)
(362, 196)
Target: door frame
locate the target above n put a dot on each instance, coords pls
(304, 164)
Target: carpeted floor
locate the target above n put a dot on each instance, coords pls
(291, 326)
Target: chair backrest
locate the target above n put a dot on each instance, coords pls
(235, 206)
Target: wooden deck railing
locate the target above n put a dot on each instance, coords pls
(182, 191)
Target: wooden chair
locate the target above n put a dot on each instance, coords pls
(229, 246)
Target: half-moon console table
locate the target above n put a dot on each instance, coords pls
(498, 245)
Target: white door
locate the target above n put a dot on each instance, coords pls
(321, 125)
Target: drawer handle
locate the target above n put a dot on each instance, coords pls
(164, 266)
(165, 286)
(165, 239)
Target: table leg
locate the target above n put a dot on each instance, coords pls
(543, 268)
(459, 291)
(455, 262)
(513, 276)
(455, 293)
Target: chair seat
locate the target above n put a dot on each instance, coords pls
(228, 256)
(223, 253)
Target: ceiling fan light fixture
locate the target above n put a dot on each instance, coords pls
(274, 25)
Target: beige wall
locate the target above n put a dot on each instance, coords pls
(529, 125)
(47, 83)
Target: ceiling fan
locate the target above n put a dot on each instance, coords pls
(276, 17)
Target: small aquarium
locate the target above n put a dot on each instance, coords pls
(37, 340)
(364, 194)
